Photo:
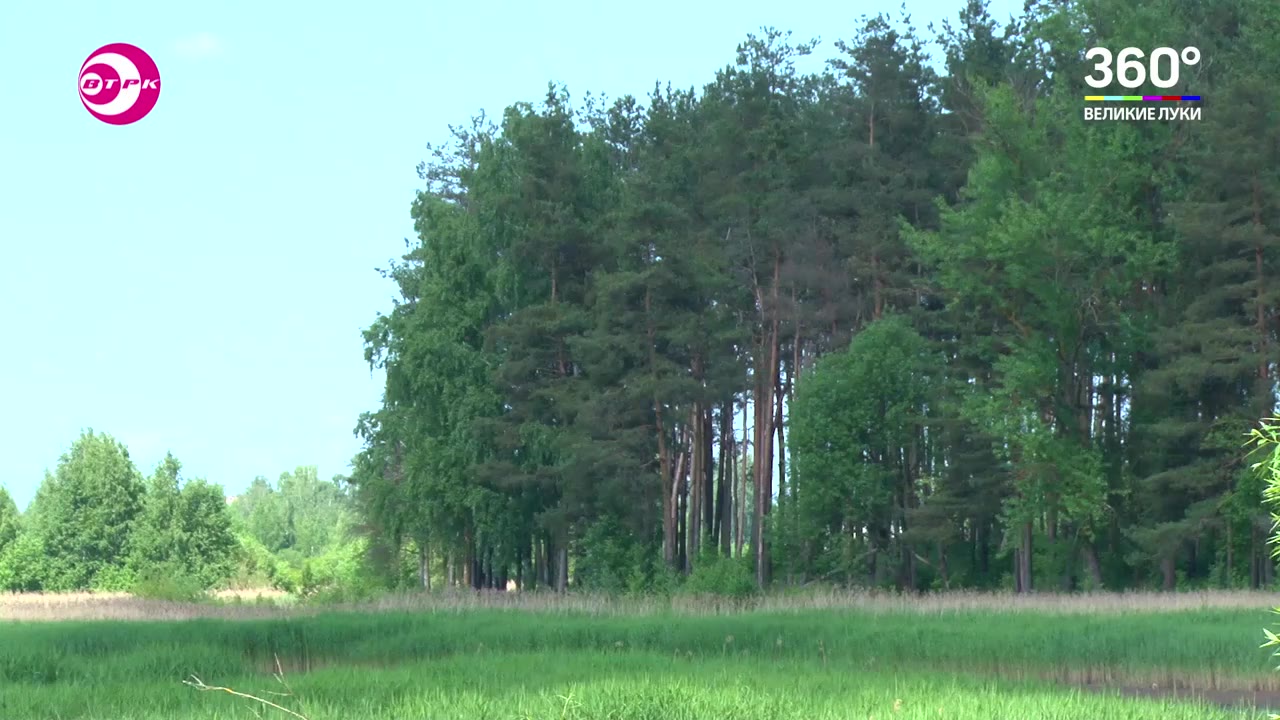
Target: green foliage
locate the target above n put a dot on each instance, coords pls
(95, 525)
(612, 561)
(155, 537)
(169, 581)
(300, 513)
(114, 578)
(22, 564)
(260, 510)
(85, 512)
(1265, 441)
(715, 574)
(340, 575)
(205, 540)
(184, 528)
(661, 580)
(255, 566)
(9, 519)
(853, 414)
(296, 536)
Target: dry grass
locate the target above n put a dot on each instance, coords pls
(252, 595)
(49, 607)
(252, 604)
(861, 601)
(1056, 603)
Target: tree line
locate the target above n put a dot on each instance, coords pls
(97, 524)
(904, 321)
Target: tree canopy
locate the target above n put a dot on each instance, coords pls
(903, 320)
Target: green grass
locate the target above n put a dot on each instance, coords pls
(814, 664)
(567, 685)
(1222, 645)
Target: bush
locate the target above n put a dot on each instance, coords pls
(22, 565)
(113, 578)
(714, 574)
(168, 582)
(256, 567)
(339, 575)
(607, 562)
(287, 579)
(1266, 443)
(665, 580)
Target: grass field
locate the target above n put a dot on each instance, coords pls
(965, 656)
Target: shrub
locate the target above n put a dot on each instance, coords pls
(113, 578)
(1266, 442)
(169, 582)
(715, 574)
(607, 559)
(22, 565)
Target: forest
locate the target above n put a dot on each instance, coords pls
(885, 313)
(903, 321)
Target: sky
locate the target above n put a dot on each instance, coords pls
(197, 282)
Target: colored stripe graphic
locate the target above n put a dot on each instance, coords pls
(1142, 98)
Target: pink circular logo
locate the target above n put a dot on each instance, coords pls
(119, 84)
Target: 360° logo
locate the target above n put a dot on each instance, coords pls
(119, 84)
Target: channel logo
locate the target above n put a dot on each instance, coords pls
(119, 84)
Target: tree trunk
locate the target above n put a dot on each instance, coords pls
(1255, 578)
(908, 498)
(765, 389)
(708, 478)
(727, 453)
(782, 436)
(982, 536)
(548, 564)
(873, 558)
(1091, 561)
(562, 569)
(677, 505)
(877, 287)
(667, 478)
(490, 569)
(1226, 576)
(536, 581)
(1024, 558)
(759, 432)
(716, 501)
(424, 565)
(740, 527)
(1264, 337)
(468, 557)
(943, 566)
(664, 454)
(682, 520)
(793, 377)
(697, 477)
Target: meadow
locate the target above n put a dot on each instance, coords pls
(832, 655)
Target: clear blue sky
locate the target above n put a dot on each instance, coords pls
(197, 282)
